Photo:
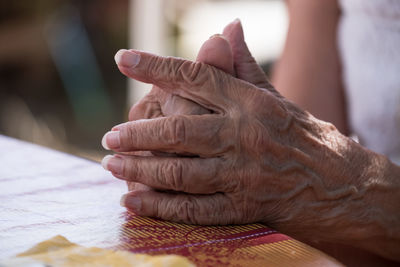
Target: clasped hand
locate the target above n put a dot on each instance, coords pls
(226, 147)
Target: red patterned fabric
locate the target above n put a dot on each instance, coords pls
(46, 193)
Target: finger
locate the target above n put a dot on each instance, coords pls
(149, 106)
(199, 82)
(197, 134)
(246, 66)
(191, 175)
(133, 186)
(217, 52)
(158, 103)
(176, 105)
(216, 209)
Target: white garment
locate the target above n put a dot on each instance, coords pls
(369, 44)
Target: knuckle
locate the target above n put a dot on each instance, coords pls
(157, 209)
(188, 211)
(166, 69)
(164, 209)
(171, 175)
(176, 175)
(156, 67)
(176, 131)
(191, 72)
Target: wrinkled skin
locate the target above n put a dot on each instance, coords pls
(227, 52)
(255, 157)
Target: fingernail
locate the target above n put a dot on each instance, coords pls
(216, 35)
(126, 58)
(104, 161)
(111, 140)
(131, 202)
(112, 164)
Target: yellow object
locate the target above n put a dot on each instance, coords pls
(58, 251)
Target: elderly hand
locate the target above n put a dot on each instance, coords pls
(259, 155)
(259, 158)
(227, 52)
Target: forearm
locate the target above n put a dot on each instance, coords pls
(308, 72)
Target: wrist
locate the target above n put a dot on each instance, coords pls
(360, 203)
(382, 199)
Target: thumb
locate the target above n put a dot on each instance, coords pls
(246, 66)
(217, 52)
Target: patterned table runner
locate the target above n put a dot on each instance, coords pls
(46, 193)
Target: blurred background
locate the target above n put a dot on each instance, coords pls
(59, 86)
